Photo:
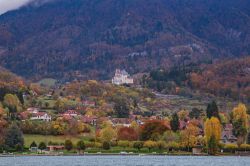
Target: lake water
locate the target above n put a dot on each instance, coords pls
(125, 161)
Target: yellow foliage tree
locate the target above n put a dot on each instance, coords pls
(108, 134)
(213, 128)
(189, 136)
(240, 122)
(212, 134)
(240, 113)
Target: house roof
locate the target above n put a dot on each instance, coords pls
(227, 133)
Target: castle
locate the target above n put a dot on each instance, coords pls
(122, 77)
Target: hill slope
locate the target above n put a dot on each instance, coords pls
(94, 37)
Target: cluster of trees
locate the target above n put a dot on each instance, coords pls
(57, 127)
(167, 132)
(213, 126)
(115, 101)
(12, 138)
(226, 78)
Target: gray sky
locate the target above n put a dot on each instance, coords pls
(7, 5)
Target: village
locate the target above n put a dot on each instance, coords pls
(117, 115)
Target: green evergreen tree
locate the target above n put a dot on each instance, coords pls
(174, 123)
(121, 108)
(42, 146)
(14, 137)
(33, 144)
(212, 110)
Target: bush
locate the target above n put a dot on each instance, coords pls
(244, 147)
(138, 145)
(230, 148)
(173, 146)
(90, 144)
(80, 145)
(150, 145)
(161, 145)
(113, 143)
(106, 145)
(98, 145)
(123, 144)
(68, 145)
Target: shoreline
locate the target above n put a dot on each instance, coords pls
(117, 154)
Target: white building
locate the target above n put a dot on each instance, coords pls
(41, 116)
(122, 77)
(71, 113)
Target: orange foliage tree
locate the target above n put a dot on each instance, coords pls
(127, 133)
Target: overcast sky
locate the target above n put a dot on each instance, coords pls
(6, 5)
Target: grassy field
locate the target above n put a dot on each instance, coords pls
(28, 139)
(47, 82)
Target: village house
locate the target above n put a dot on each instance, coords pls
(126, 122)
(71, 113)
(91, 120)
(53, 148)
(122, 77)
(88, 103)
(43, 116)
(33, 110)
(227, 136)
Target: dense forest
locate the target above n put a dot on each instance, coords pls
(89, 39)
(227, 78)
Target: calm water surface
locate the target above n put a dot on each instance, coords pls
(125, 161)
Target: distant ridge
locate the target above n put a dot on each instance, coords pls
(91, 38)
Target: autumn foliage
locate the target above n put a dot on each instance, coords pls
(127, 133)
(152, 129)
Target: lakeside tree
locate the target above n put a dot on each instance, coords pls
(170, 136)
(14, 137)
(107, 134)
(138, 145)
(240, 123)
(161, 145)
(33, 144)
(212, 145)
(42, 146)
(3, 125)
(80, 145)
(106, 145)
(212, 110)
(188, 136)
(153, 130)
(248, 138)
(127, 133)
(68, 145)
(212, 131)
(150, 144)
(174, 122)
